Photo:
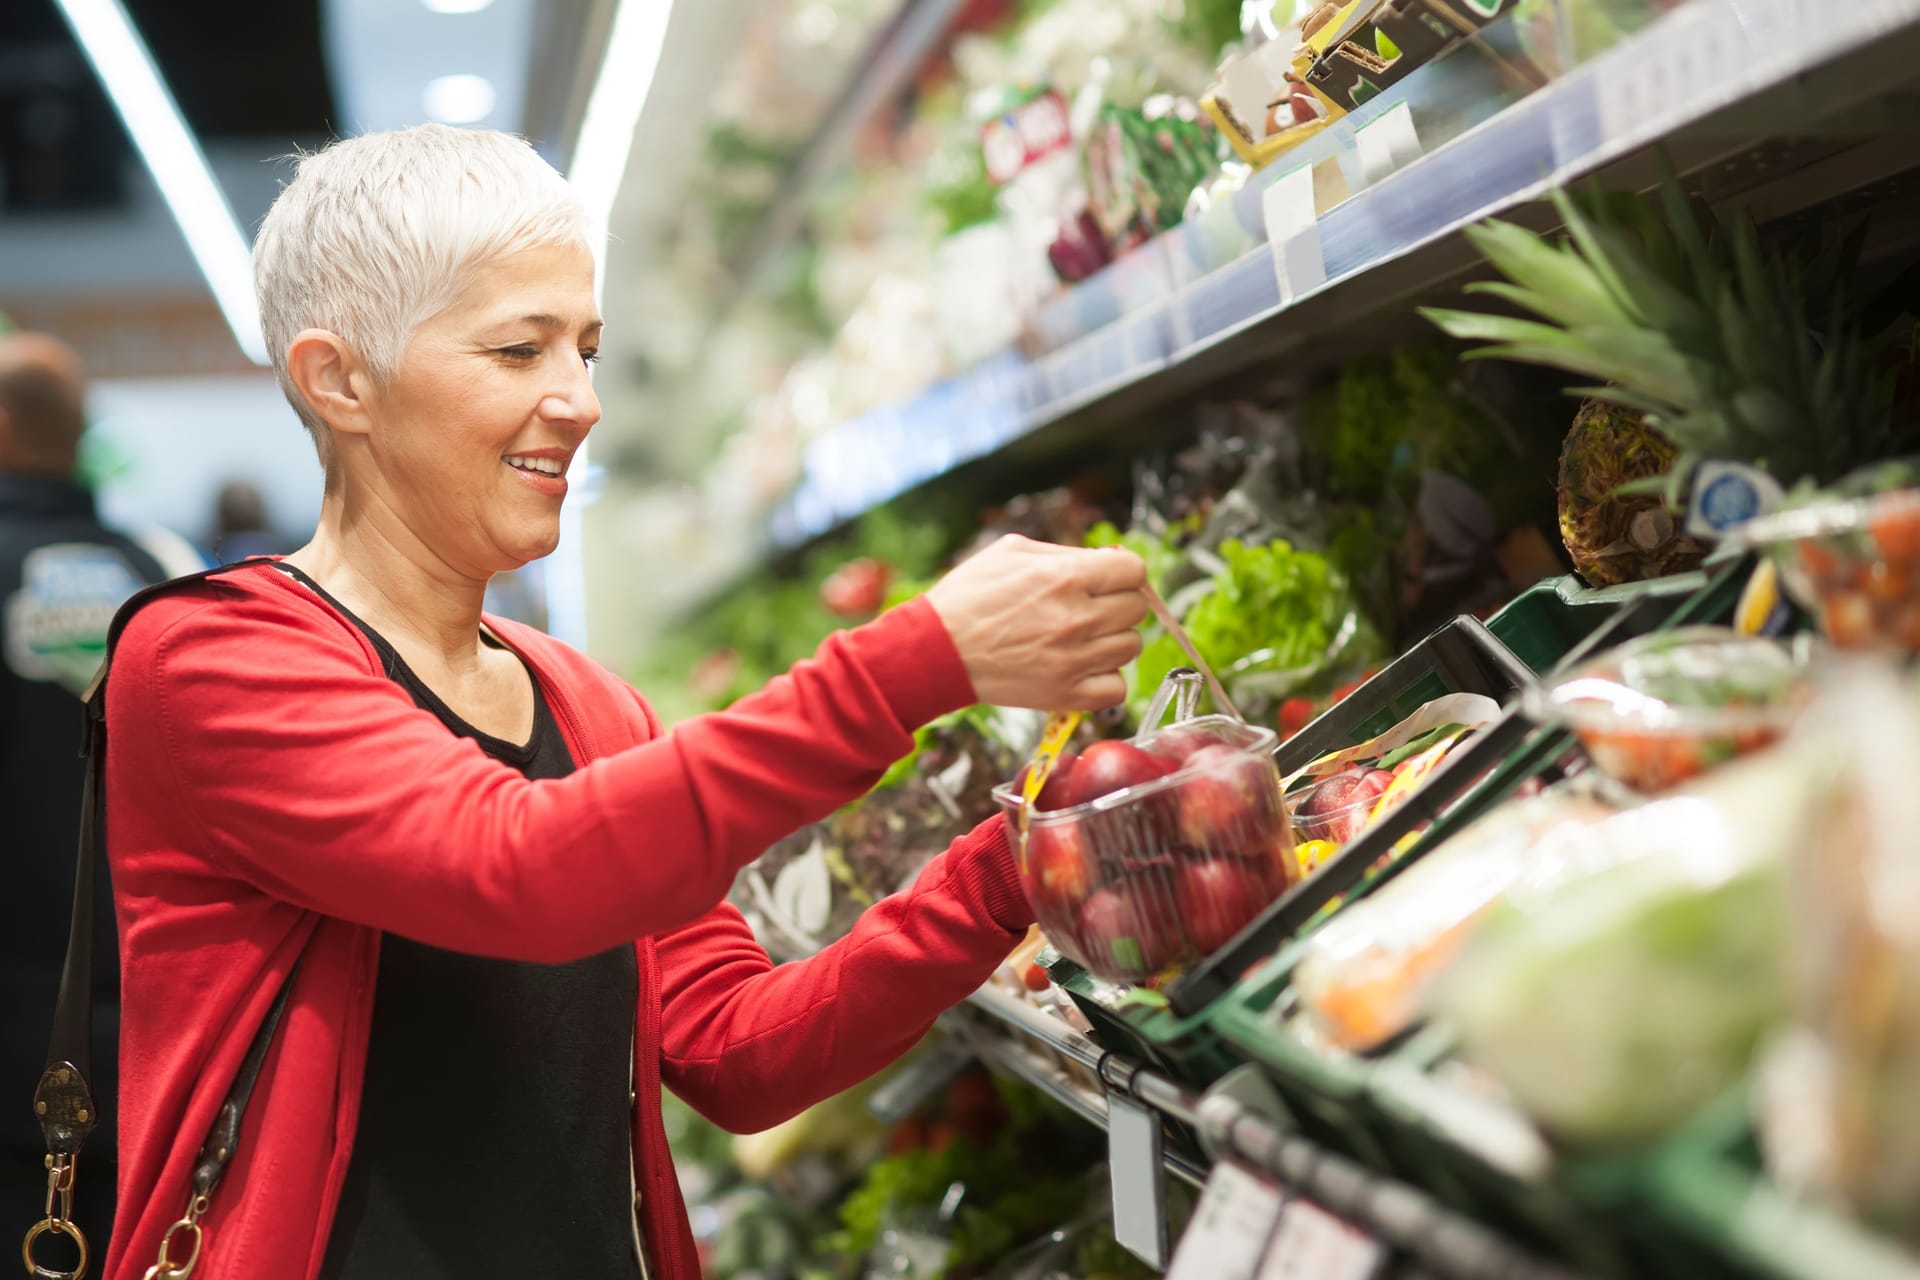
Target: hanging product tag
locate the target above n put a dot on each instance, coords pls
(1228, 1236)
(1135, 1161)
(1293, 233)
(1387, 143)
(1312, 1244)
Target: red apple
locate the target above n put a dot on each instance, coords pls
(1053, 793)
(1337, 806)
(1345, 824)
(1217, 899)
(1059, 873)
(1178, 743)
(856, 589)
(1278, 863)
(1128, 932)
(1107, 767)
(1230, 801)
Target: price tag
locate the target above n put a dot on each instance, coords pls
(1134, 1160)
(1387, 143)
(1230, 1229)
(1312, 1244)
(1293, 233)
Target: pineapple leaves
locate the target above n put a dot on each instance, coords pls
(1731, 349)
(1549, 281)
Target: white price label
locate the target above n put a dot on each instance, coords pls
(1230, 1229)
(1293, 233)
(1387, 143)
(1312, 1244)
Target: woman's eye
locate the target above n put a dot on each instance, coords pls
(520, 353)
(591, 356)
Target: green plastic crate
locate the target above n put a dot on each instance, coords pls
(1187, 1049)
(1545, 623)
(1709, 1186)
(1325, 1092)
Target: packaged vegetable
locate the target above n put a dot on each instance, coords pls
(1366, 974)
(1854, 563)
(1355, 787)
(1139, 855)
(1670, 706)
(1841, 1117)
(1614, 1004)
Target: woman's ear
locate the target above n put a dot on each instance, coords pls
(330, 378)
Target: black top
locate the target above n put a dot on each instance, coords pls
(495, 1133)
(63, 575)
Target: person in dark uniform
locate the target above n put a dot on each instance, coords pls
(62, 576)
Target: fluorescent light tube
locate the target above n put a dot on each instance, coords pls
(599, 165)
(613, 109)
(173, 157)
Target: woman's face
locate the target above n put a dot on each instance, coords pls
(472, 436)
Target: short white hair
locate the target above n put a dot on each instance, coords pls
(377, 234)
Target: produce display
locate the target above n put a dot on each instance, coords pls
(1141, 855)
(1729, 348)
(1615, 1004)
(1836, 1105)
(812, 886)
(1667, 708)
(1367, 975)
(1854, 563)
(1675, 897)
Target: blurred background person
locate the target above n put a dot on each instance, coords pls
(241, 528)
(63, 574)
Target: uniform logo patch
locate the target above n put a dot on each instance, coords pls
(57, 622)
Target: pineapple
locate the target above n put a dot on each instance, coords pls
(1728, 350)
(1615, 537)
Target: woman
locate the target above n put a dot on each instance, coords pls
(458, 827)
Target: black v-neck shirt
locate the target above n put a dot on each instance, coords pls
(495, 1130)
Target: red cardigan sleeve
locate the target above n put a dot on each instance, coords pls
(281, 758)
(749, 1045)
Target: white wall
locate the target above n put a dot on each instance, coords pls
(185, 437)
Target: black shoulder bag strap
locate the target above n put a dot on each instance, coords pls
(63, 1103)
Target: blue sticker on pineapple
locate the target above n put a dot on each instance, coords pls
(56, 623)
(1726, 495)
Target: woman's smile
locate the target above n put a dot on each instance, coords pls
(545, 470)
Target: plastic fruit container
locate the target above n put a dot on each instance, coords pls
(1146, 854)
(1854, 564)
(1338, 808)
(1670, 706)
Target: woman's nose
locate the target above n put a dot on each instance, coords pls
(573, 402)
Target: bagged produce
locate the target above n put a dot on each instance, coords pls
(1138, 855)
(1854, 562)
(1613, 1004)
(1670, 706)
(1842, 1114)
(1367, 974)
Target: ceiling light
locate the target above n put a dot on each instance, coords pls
(613, 109)
(460, 99)
(457, 6)
(173, 157)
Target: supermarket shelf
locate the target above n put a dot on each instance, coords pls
(1715, 85)
(891, 62)
(1400, 1215)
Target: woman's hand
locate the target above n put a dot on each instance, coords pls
(1045, 626)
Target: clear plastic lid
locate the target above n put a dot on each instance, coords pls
(1690, 680)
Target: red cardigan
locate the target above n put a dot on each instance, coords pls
(269, 790)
